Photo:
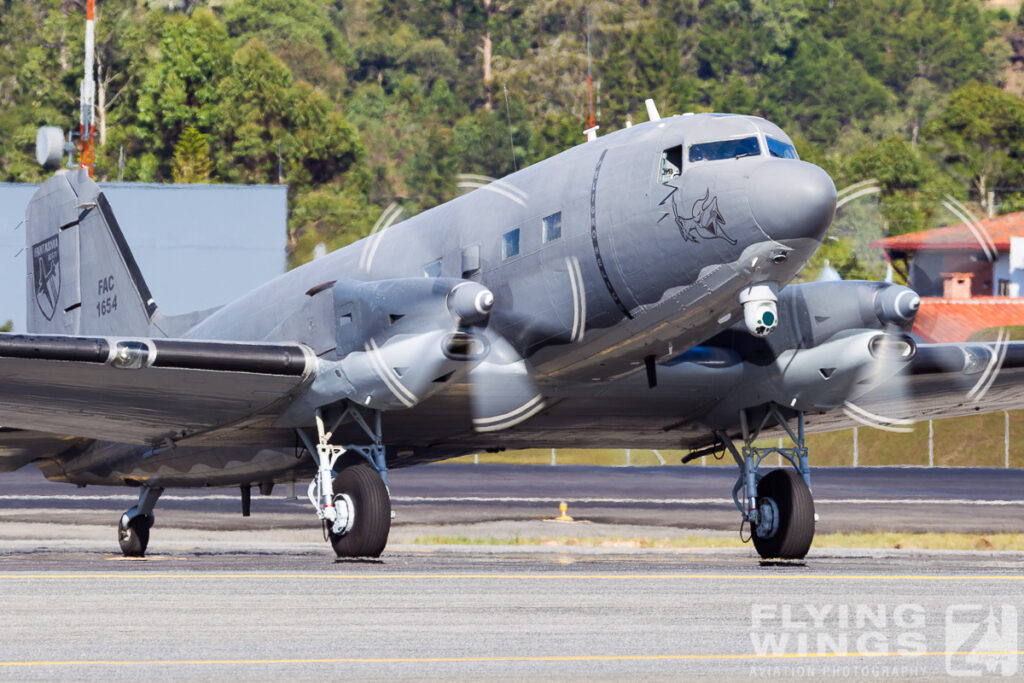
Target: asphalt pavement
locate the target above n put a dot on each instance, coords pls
(220, 596)
(981, 500)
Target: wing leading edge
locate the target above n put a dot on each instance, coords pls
(145, 391)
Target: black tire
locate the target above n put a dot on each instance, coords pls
(796, 516)
(135, 538)
(372, 512)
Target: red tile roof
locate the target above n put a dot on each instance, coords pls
(955, 320)
(999, 230)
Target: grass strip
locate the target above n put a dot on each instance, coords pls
(869, 540)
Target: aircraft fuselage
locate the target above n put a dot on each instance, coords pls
(633, 246)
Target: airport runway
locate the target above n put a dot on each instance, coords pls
(472, 615)
(982, 500)
(262, 598)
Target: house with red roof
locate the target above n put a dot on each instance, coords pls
(970, 276)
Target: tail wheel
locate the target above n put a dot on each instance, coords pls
(782, 494)
(370, 506)
(134, 536)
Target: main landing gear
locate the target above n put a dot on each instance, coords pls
(354, 506)
(133, 529)
(778, 505)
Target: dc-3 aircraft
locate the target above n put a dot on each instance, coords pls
(629, 292)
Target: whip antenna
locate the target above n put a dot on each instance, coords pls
(508, 117)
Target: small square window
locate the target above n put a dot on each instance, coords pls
(510, 244)
(552, 226)
(433, 270)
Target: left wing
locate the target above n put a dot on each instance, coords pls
(149, 391)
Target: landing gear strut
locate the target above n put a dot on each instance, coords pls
(133, 529)
(778, 506)
(355, 505)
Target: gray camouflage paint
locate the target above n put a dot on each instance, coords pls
(644, 266)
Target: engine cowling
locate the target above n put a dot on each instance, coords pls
(835, 342)
(399, 341)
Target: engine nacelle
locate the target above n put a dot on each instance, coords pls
(835, 341)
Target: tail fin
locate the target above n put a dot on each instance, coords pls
(82, 278)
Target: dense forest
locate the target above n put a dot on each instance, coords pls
(359, 104)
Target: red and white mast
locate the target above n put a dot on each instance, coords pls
(87, 125)
(591, 130)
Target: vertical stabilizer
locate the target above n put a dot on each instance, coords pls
(82, 278)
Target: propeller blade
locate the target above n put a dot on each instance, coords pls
(504, 392)
(883, 406)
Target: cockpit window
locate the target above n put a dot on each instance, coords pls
(780, 149)
(725, 149)
(671, 163)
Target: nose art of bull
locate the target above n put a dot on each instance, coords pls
(705, 221)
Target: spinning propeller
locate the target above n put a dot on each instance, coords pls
(403, 340)
(892, 351)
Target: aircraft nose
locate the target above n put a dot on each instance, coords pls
(792, 199)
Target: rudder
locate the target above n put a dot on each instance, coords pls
(82, 277)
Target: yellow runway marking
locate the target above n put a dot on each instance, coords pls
(499, 659)
(553, 577)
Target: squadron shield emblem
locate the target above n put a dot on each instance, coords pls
(46, 269)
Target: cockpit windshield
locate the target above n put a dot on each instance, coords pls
(780, 149)
(725, 149)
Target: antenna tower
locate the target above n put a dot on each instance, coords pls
(591, 130)
(87, 125)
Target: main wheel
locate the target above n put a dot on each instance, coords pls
(370, 506)
(786, 528)
(134, 538)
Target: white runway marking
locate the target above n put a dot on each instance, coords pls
(694, 501)
(539, 499)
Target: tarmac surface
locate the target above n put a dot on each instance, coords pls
(221, 596)
(983, 500)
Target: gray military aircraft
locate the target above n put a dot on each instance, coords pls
(629, 292)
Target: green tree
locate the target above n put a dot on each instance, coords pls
(192, 162)
(182, 87)
(908, 180)
(979, 137)
(262, 108)
(304, 34)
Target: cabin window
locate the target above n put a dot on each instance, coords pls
(671, 163)
(433, 270)
(725, 149)
(780, 149)
(510, 244)
(552, 227)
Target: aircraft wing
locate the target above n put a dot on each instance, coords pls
(143, 391)
(943, 380)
